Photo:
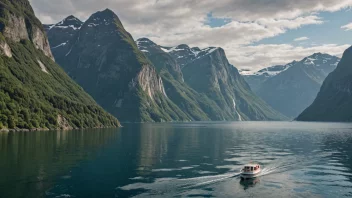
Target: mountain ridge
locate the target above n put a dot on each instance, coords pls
(226, 109)
(294, 89)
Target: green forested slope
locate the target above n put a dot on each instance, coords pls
(35, 93)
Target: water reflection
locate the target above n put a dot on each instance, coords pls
(179, 160)
(248, 183)
(31, 161)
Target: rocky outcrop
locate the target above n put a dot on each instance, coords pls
(19, 28)
(150, 81)
(5, 49)
(160, 58)
(15, 29)
(63, 124)
(41, 42)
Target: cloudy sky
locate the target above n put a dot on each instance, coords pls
(254, 33)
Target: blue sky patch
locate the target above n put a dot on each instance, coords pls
(216, 22)
(329, 32)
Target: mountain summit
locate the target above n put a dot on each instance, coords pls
(103, 58)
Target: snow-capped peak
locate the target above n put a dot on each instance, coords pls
(69, 22)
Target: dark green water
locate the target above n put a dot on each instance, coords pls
(179, 160)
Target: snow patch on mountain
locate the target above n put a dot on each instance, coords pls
(309, 61)
(92, 25)
(60, 45)
(269, 71)
(69, 22)
(182, 53)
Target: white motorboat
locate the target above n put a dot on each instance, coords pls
(251, 170)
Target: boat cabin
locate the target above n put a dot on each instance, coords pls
(251, 167)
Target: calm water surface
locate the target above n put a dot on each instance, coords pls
(179, 160)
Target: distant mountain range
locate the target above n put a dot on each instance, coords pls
(152, 83)
(334, 100)
(35, 93)
(291, 88)
(258, 78)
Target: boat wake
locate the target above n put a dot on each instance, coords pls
(288, 163)
(178, 185)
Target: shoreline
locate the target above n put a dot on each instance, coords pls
(46, 129)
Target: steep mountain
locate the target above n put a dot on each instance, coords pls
(294, 89)
(35, 93)
(214, 86)
(197, 106)
(258, 78)
(211, 74)
(334, 100)
(103, 58)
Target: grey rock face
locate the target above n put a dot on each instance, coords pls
(5, 49)
(150, 81)
(41, 42)
(160, 58)
(16, 30)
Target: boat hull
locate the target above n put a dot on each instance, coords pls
(249, 175)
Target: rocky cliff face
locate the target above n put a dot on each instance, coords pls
(21, 24)
(35, 93)
(210, 88)
(160, 58)
(5, 49)
(294, 89)
(15, 28)
(102, 57)
(334, 100)
(150, 82)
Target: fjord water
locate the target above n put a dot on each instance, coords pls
(179, 160)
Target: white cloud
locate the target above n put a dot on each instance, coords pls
(347, 27)
(301, 39)
(228, 36)
(155, 11)
(170, 22)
